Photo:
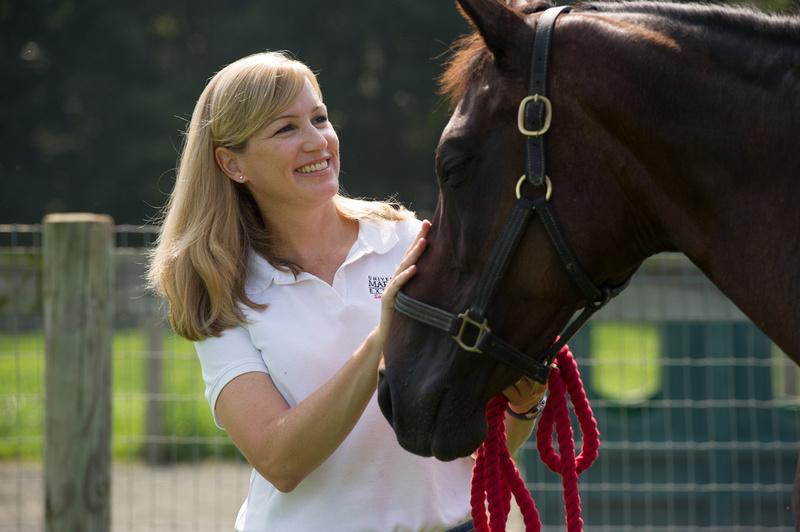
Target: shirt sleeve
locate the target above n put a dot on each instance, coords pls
(224, 358)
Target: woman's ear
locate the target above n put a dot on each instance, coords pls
(227, 161)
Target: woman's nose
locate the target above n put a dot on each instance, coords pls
(315, 140)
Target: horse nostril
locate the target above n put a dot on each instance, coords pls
(384, 397)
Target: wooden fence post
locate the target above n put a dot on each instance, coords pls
(78, 277)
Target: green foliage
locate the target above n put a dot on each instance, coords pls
(95, 94)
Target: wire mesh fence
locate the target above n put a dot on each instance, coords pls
(172, 469)
(699, 412)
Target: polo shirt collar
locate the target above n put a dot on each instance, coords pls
(378, 236)
(374, 236)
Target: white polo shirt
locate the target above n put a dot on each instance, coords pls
(309, 330)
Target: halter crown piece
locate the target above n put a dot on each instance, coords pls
(470, 329)
(495, 475)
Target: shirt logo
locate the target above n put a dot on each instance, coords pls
(377, 285)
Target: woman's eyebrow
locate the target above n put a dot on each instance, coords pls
(314, 110)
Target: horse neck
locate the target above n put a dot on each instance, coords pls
(708, 143)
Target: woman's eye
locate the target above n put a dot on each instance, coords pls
(285, 129)
(321, 119)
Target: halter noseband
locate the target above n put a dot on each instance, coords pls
(533, 121)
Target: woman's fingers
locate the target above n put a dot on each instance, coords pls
(524, 393)
(405, 271)
(413, 255)
(388, 299)
(414, 251)
(423, 232)
(397, 282)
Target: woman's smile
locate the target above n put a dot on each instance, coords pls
(293, 158)
(315, 169)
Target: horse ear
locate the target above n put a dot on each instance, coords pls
(503, 29)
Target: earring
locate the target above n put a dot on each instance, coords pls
(241, 178)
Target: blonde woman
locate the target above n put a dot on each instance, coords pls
(287, 289)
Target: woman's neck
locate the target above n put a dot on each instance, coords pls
(316, 239)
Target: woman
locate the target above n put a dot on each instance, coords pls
(287, 289)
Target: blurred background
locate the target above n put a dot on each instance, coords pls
(699, 412)
(95, 94)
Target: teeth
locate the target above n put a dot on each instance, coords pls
(307, 169)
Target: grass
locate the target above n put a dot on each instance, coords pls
(186, 424)
(187, 430)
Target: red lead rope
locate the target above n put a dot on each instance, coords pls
(495, 477)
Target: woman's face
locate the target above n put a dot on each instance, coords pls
(294, 158)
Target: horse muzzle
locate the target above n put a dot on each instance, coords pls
(433, 424)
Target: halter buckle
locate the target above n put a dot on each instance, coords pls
(548, 114)
(483, 330)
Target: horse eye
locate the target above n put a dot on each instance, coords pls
(452, 171)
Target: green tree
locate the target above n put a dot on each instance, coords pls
(95, 94)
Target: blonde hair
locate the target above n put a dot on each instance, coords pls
(210, 224)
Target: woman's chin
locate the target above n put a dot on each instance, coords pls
(320, 189)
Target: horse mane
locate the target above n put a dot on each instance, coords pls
(724, 17)
(470, 57)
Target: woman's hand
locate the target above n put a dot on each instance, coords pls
(524, 394)
(405, 271)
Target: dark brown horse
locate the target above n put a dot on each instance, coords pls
(674, 128)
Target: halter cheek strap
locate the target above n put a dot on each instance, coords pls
(470, 329)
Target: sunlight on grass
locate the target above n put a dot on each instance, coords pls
(625, 368)
(184, 411)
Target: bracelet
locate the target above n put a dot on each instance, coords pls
(531, 414)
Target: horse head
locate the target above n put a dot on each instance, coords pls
(432, 391)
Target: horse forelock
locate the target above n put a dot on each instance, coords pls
(470, 58)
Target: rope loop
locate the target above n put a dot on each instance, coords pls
(566, 378)
(495, 477)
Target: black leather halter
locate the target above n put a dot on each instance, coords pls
(470, 329)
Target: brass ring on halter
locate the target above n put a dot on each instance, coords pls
(546, 180)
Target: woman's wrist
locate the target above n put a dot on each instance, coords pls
(374, 342)
(527, 414)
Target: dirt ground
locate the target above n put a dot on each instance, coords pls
(186, 498)
(196, 497)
